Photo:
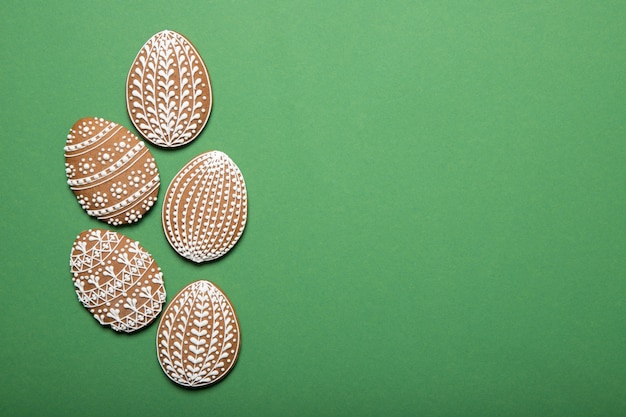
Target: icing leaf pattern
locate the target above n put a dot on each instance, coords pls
(205, 207)
(168, 90)
(198, 336)
(116, 280)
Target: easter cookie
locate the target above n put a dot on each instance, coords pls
(198, 336)
(205, 207)
(168, 90)
(116, 280)
(112, 173)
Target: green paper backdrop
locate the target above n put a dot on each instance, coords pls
(436, 221)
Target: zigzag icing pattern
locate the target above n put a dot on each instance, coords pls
(116, 280)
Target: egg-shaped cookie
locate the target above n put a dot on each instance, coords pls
(168, 90)
(116, 280)
(198, 336)
(112, 173)
(205, 207)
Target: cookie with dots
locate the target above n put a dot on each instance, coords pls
(112, 173)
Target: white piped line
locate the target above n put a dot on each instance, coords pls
(135, 196)
(90, 141)
(88, 182)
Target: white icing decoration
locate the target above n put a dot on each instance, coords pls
(116, 280)
(113, 158)
(205, 207)
(154, 183)
(198, 336)
(128, 157)
(168, 91)
(112, 128)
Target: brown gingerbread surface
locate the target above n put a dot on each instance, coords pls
(116, 279)
(205, 207)
(198, 337)
(112, 173)
(168, 90)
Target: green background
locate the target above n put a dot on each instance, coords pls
(436, 220)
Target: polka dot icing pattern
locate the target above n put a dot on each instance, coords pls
(205, 207)
(116, 280)
(168, 90)
(113, 175)
(198, 336)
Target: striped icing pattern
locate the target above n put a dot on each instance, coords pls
(198, 338)
(205, 207)
(112, 173)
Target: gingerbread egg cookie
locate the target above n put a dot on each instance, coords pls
(112, 173)
(198, 336)
(168, 90)
(205, 207)
(116, 280)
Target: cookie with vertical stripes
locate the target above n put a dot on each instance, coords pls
(112, 173)
(205, 207)
(198, 337)
(168, 90)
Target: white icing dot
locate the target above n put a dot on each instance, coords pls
(86, 129)
(118, 190)
(106, 156)
(99, 199)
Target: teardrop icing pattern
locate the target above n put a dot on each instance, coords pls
(168, 90)
(115, 179)
(116, 280)
(113, 175)
(198, 337)
(205, 207)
